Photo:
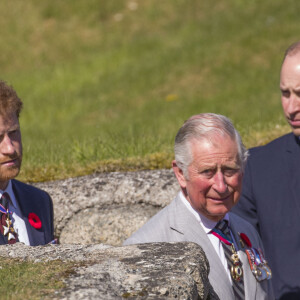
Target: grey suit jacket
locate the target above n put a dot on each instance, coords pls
(175, 223)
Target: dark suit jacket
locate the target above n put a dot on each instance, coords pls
(34, 200)
(271, 202)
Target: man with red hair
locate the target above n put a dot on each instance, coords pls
(26, 212)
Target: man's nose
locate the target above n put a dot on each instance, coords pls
(219, 183)
(293, 104)
(7, 146)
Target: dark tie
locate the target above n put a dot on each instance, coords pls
(6, 226)
(237, 285)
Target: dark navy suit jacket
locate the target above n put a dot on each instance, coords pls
(271, 202)
(34, 200)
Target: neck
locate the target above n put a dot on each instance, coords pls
(3, 185)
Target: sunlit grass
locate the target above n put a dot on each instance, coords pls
(107, 84)
(26, 280)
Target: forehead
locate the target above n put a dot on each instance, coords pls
(218, 150)
(290, 68)
(8, 121)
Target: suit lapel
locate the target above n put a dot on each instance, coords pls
(292, 161)
(186, 224)
(35, 237)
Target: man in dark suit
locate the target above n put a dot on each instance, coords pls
(271, 188)
(26, 212)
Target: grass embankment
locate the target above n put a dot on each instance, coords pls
(27, 280)
(107, 84)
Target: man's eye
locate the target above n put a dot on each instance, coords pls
(13, 133)
(207, 173)
(230, 172)
(285, 93)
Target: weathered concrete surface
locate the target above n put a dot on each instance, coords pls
(104, 209)
(108, 225)
(145, 271)
(108, 207)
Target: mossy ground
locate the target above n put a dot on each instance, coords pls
(21, 280)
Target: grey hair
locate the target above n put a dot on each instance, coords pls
(204, 127)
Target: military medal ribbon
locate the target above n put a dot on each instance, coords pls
(221, 236)
(3, 209)
(258, 264)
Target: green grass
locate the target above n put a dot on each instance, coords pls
(27, 280)
(107, 84)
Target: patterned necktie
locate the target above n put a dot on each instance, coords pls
(237, 285)
(6, 226)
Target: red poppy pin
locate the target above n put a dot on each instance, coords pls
(34, 221)
(245, 239)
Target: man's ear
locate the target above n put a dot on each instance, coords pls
(179, 174)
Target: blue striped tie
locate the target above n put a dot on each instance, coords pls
(238, 286)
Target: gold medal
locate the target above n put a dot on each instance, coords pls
(236, 270)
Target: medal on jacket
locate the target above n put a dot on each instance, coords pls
(258, 264)
(5, 220)
(236, 269)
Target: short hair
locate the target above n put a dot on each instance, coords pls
(292, 50)
(204, 127)
(9, 100)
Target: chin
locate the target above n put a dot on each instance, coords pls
(219, 212)
(296, 131)
(215, 217)
(11, 174)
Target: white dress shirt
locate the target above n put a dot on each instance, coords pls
(207, 226)
(18, 222)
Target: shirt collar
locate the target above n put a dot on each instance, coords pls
(10, 192)
(206, 223)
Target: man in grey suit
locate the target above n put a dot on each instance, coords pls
(209, 163)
